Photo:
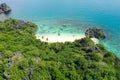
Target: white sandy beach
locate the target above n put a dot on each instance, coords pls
(62, 38)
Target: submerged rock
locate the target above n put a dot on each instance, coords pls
(4, 8)
(64, 25)
(95, 33)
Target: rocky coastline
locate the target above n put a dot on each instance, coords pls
(4, 8)
(95, 32)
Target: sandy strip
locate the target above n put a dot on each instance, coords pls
(61, 38)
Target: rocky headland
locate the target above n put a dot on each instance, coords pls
(4, 8)
(95, 33)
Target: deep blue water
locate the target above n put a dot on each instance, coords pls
(77, 14)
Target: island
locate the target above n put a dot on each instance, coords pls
(4, 8)
(23, 57)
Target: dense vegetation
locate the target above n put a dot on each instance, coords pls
(23, 57)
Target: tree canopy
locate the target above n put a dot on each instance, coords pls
(23, 57)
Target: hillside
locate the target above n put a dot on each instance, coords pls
(23, 57)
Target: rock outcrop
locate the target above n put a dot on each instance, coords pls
(4, 8)
(85, 42)
(21, 23)
(95, 33)
(17, 24)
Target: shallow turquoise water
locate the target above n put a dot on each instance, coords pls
(78, 15)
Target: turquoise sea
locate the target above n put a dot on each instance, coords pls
(77, 15)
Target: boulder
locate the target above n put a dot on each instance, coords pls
(4, 8)
(21, 23)
(84, 42)
(95, 33)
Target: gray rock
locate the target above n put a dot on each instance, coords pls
(21, 23)
(95, 33)
(4, 8)
(85, 42)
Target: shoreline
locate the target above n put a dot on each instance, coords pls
(62, 38)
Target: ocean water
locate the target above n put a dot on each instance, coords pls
(71, 17)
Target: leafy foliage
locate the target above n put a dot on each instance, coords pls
(23, 57)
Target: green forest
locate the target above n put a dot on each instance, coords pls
(23, 57)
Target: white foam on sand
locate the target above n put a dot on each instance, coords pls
(62, 38)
